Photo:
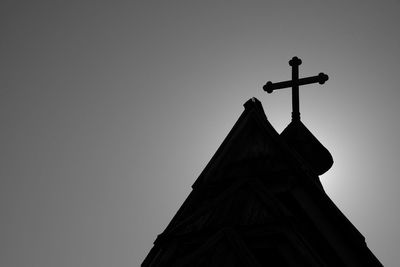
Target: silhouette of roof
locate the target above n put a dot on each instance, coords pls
(259, 202)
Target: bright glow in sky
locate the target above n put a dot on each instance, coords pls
(109, 111)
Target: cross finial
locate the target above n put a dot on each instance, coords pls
(295, 62)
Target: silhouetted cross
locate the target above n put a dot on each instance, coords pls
(295, 62)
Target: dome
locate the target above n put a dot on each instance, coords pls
(302, 141)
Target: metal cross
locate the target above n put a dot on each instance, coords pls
(295, 62)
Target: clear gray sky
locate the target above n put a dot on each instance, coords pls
(109, 111)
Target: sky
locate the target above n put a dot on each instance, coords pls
(110, 110)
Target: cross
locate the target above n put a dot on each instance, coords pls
(295, 62)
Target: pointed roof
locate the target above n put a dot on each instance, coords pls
(257, 202)
(254, 141)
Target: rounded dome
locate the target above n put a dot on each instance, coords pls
(301, 140)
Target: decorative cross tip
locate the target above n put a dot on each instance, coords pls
(295, 61)
(268, 87)
(322, 78)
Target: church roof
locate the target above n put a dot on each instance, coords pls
(259, 201)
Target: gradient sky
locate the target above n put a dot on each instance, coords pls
(109, 111)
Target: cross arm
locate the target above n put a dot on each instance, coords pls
(321, 78)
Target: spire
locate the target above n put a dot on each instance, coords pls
(296, 134)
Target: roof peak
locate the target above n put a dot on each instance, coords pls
(252, 103)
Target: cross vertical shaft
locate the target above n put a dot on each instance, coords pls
(295, 62)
